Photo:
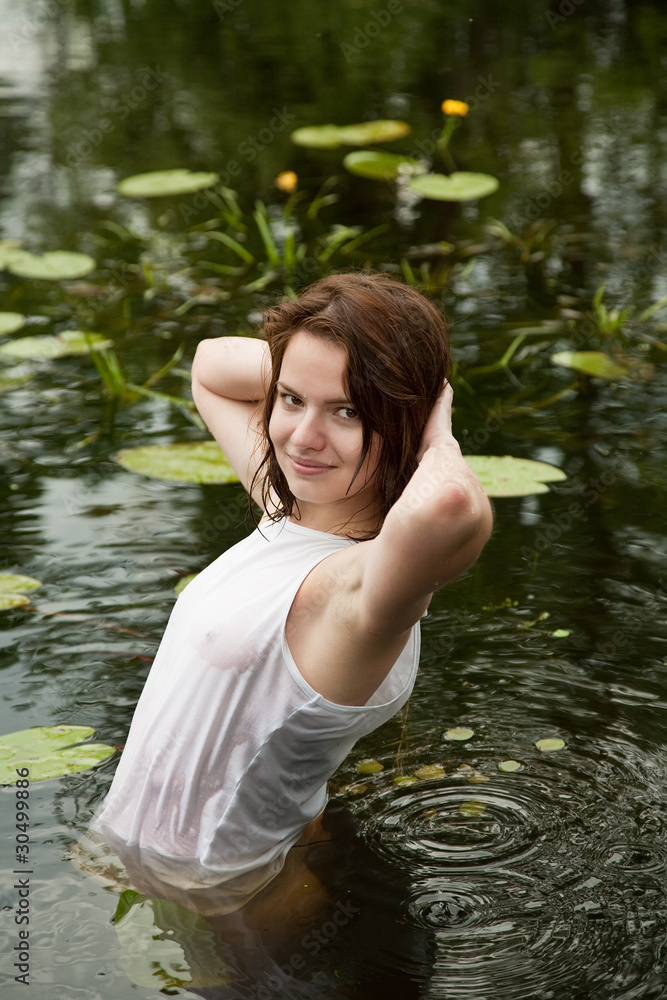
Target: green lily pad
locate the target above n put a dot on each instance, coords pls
(510, 766)
(459, 186)
(13, 378)
(549, 745)
(590, 363)
(166, 183)
(561, 633)
(10, 322)
(472, 808)
(459, 734)
(12, 590)
(47, 348)
(49, 752)
(430, 771)
(380, 166)
(369, 766)
(404, 780)
(333, 136)
(58, 265)
(506, 476)
(166, 948)
(195, 462)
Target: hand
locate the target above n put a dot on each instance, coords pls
(438, 428)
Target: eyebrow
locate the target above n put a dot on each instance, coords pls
(327, 402)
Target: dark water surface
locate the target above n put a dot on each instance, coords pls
(471, 883)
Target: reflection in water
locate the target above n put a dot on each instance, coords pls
(331, 919)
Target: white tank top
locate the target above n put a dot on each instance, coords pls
(230, 749)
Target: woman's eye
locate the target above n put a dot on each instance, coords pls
(348, 413)
(290, 400)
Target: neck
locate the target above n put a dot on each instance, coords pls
(337, 519)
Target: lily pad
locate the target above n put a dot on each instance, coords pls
(459, 186)
(510, 766)
(380, 166)
(166, 183)
(404, 780)
(57, 265)
(49, 752)
(369, 766)
(195, 462)
(459, 734)
(506, 476)
(430, 771)
(47, 348)
(12, 590)
(472, 808)
(549, 745)
(590, 363)
(333, 136)
(10, 322)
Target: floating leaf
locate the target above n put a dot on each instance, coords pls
(47, 348)
(561, 633)
(590, 363)
(404, 779)
(369, 766)
(58, 265)
(459, 734)
(510, 766)
(127, 900)
(430, 771)
(164, 183)
(195, 462)
(49, 752)
(182, 583)
(549, 745)
(478, 779)
(10, 322)
(333, 136)
(12, 590)
(459, 186)
(354, 789)
(506, 476)
(472, 808)
(380, 166)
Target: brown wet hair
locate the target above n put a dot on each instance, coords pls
(398, 358)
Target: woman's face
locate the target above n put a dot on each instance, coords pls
(316, 434)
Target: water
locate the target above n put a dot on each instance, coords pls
(547, 882)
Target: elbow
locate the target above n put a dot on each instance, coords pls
(467, 509)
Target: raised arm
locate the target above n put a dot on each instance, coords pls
(229, 375)
(432, 534)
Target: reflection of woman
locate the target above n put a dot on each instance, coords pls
(303, 637)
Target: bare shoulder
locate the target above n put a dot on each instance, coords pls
(334, 645)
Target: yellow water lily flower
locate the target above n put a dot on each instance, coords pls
(459, 108)
(287, 181)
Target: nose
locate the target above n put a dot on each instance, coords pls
(309, 431)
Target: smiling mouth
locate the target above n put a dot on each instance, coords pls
(307, 467)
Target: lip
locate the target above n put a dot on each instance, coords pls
(307, 467)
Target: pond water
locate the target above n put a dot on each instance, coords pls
(467, 881)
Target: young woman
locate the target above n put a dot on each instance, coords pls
(304, 636)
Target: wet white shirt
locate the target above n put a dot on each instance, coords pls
(230, 749)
